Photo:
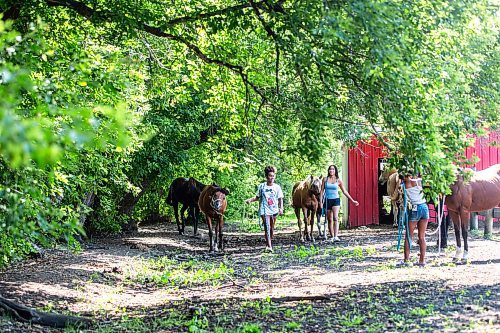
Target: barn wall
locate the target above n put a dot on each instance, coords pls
(362, 174)
(489, 154)
(363, 183)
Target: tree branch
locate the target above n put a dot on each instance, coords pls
(97, 16)
(219, 12)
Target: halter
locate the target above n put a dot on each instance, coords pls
(214, 201)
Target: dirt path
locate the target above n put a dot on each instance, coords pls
(159, 281)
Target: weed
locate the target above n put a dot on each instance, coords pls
(422, 312)
(302, 252)
(293, 325)
(164, 271)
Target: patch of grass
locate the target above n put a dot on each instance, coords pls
(165, 271)
(350, 320)
(476, 232)
(249, 328)
(173, 321)
(422, 312)
(302, 252)
(292, 326)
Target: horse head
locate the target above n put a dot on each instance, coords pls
(386, 173)
(314, 185)
(218, 199)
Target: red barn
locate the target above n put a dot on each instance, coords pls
(364, 164)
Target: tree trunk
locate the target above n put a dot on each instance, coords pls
(89, 202)
(488, 224)
(27, 315)
(129, 201)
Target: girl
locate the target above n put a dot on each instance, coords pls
(417, 217)
(270, 198)
(330, 193)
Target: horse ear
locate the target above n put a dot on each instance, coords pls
(225, 191)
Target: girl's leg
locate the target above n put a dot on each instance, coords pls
(267, 231)
(412, 225)
(329, 215)
(335, 210)
(422, 227)
(272, 222)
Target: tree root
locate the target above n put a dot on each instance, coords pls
(27, 315)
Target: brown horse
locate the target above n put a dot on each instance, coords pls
(213, 204)
(187, 192)
(394, 191)
(305, 196)
(482, 192)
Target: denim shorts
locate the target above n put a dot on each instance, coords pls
(422, 212)
(332, 202)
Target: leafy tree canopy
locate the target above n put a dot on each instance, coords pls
(104, 102)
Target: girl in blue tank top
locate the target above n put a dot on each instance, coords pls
(331, 199)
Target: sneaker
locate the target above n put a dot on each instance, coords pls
(420, 264)
(403, 263)
(268, 249)
(336, 239)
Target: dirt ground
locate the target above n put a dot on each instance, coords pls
(349, 286)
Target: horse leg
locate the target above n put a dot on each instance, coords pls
(465, 216)
(217, 240)
(395, 212)
(312, 224)
(456, 226)
(196, 215)
(176, 212)
(299, 223)
(221, 241)
(210, 233)
(445, 225)
(318, 223)
(306, 223)
(183, 219)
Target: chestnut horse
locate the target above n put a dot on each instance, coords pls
(305, 196)
(213, 204)
(187, 192)
(394, 191)
(482, 192)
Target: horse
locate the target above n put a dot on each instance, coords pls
(213, 203)
(391, 176)
(187, 192)
(305, 196)
(481, 193)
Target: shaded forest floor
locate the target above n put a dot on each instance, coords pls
(158, 281)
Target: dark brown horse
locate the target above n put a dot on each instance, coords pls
(481, 193)
(213, 204)
(305, 197)
(187, 192)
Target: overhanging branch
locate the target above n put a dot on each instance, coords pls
(106, 16)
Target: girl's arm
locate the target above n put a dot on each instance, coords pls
(280, 206)
(341, 185)
(252, 199)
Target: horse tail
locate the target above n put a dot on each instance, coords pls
(169, 196)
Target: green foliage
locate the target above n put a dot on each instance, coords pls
(98, 114)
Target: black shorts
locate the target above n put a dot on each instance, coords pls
(332, 202)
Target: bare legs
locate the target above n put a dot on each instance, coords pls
(422, 226)
(333, 221)
(269, 221)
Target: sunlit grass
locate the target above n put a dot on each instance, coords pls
(165, 271)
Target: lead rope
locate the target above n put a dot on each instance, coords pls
(440, 215)
(403, 219)
(261, 196)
